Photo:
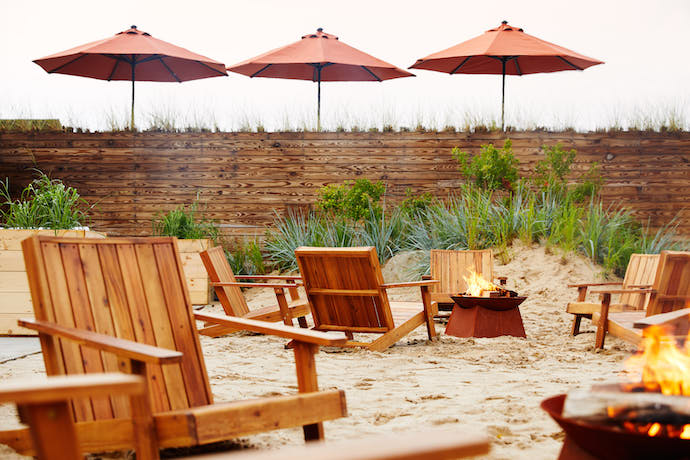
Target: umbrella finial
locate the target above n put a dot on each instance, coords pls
(133, 27)
(320, 29)
(504, 22)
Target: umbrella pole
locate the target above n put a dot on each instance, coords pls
(318, 103)
(503, 95)
(132, 120)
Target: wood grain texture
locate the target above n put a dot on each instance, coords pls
(346, 292)
(670, 291)
(245, 177)
(151, 327)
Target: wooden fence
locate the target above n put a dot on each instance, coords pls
(244, 178)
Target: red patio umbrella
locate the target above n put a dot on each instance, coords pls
(505, 50)
(319, 57)
(132, 55)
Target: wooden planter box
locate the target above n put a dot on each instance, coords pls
(15, 298)
(194, 270)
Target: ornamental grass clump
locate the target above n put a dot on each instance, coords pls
(44, 203)
(185, 222)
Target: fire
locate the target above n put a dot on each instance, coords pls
(476, 285)
(664, 366)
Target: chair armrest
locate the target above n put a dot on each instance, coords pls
(593, 284)
(120, 347)
(409, 284)
(428, 443)
(663, 318)
(269, 277)
(261, 285)
(64, 387)
(280, 330)
(625, 291)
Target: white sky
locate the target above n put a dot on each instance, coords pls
(645, 44)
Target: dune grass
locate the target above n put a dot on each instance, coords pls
(480, 219)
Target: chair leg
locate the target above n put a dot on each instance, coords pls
(603, 320)
(283, 305)
(307, 382)
(576, 325)
(51, 426)
(429, 312)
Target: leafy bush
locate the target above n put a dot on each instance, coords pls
(552, 171)
(245, 258)
(555, 167)
(353, 199)
(492, 169)
(185, 222)
(416, 205)
(44, 203)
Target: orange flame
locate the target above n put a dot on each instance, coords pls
(476, 285)
(664, 366)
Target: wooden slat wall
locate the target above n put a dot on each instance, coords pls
(244, 177)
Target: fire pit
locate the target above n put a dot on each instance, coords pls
(589, 441)
(485, 310)
(649, 418)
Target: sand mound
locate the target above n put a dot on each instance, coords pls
(493, 383)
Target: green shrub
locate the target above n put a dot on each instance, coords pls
(555, 167)
(185, 222)
(589, 183)
(245, 258)
(416, 205)
(44, 203)
(353, 199)
(492, 169)
(552, 171)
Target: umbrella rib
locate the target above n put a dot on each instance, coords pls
(211, 68)
(569, 63)
(461, 64)
(371, 73)
(117, 62)
(261, 70)
(67, 63)
(170, 70)
(517, 67)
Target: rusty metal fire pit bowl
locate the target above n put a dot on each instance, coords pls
(486, 316)
(492, 303)
(586, 441)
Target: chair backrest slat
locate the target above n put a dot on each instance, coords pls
(641, 271)
(345, 269)
(128, 288)
(219, 271)
(672, 280)
(449, 267)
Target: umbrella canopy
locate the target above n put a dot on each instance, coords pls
(132, 55)
(505, 50)
(319, 57)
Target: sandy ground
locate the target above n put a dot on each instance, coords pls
(491, 384)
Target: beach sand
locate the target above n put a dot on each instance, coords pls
(487, 384)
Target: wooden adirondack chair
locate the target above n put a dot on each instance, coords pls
(224, 281)
(346, 292)
(44, 405)
(669, 292)
(121, 304)
(449, 267)
(640, 272)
